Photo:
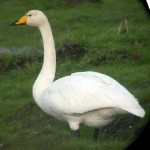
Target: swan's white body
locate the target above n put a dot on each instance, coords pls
(88, 98)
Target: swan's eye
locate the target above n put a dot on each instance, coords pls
(30, 15)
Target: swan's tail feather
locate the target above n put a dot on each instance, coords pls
(135, 109)
(131, 105)
(138, 112)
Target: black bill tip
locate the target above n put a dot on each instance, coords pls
(13, 24)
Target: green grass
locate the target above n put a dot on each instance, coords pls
(93, 27)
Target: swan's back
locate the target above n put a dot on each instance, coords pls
(87, 91)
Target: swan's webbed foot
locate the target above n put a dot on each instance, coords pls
(95, 134)
(76, 133)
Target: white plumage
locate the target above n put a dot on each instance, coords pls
(88, 98)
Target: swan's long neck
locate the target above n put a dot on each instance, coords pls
(47, 73)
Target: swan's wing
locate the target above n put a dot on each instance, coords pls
(86, 91)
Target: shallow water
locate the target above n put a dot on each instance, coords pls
(7, 50)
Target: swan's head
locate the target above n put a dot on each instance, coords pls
(32, 18)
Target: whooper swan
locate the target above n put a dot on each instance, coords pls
(88, 98)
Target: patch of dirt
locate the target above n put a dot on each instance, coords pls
(71, 50)
(107, 56)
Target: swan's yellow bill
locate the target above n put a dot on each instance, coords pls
(22, 20)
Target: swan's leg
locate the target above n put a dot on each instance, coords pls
(95, 134)
(75, 127)
(76, 133)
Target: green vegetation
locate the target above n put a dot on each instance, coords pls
(91, 30)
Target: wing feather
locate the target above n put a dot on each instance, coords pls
(86, 91)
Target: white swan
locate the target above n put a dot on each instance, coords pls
(88, 98)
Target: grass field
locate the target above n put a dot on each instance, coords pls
(88, 33)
